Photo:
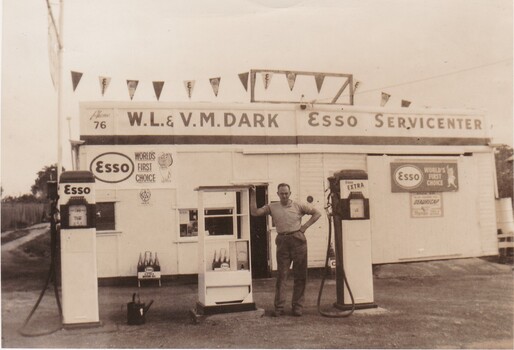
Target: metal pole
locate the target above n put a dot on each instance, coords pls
(73, 165)
(60, 102)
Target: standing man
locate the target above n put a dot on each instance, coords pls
(291, 244)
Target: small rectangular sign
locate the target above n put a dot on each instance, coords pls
(149, 275)
(426, 205)
(424, 176)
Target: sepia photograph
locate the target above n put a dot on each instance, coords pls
(257, 174)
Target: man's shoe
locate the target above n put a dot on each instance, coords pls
(297, 313)
(277, 313)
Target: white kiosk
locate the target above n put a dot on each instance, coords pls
(78, 249)
(224, 261)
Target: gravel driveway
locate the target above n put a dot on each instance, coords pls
(464, 303)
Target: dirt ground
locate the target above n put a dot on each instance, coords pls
(464, 303)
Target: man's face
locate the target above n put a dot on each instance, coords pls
(283, 194)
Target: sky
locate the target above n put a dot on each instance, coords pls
(454, 54)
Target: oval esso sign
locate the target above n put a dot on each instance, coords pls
(408, 176)
(112, 167)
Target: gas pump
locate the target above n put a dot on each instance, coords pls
(352, 235)
(78, 249)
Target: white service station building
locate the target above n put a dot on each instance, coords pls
(432, 182)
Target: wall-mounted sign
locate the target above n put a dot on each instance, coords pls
(158, 123)
(424, 176)
(112, 167)
(133, 167)
(426, 205)
(145, 195)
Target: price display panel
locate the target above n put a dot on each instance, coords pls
(77, 215)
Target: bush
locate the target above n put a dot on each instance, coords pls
(17, 215)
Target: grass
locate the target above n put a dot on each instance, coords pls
(13, 235)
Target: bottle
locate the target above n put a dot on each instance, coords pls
(217, 264)
(156, 264)
(140, 267)
(145, 262)
(224, 264)
(214, 260)
(150, 262)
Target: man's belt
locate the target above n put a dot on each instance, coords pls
(287, 233)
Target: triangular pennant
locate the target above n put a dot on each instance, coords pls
(356, 85)
(75, 79)
(384, 99)
(215, 83)
(132, 86)
(266, 79)
(291, 78)
(189, 85)
(319, 81)
(405, 103)
(244, 79)
(157, 88)
(104, 84)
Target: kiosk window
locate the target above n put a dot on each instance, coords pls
(105, 218)
(217, 221)
(188, 222)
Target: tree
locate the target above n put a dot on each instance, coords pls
(504, 176)
(40, 188)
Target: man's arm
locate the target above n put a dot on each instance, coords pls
(314, 217)
(253, 205)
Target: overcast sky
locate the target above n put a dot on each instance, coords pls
(434, 53)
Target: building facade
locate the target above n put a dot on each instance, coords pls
(431, 173)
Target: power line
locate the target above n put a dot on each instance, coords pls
(435, 76)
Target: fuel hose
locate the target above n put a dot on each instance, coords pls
(51, 276)
(333, 314)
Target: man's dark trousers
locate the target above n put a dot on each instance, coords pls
(291, 247)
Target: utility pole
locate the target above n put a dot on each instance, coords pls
(73, 167)
(60, 102)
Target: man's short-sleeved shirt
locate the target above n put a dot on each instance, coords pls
(288, 218)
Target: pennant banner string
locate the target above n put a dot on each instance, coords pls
(356, 85)
(189, 85)
(75, 79)
(215, 83)
(157, 88)
(405, 103)
(319, 81)
(132, 86)
(384, 99)
(104, 84)
(244, 79)
(291, 78)
(266, 79)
